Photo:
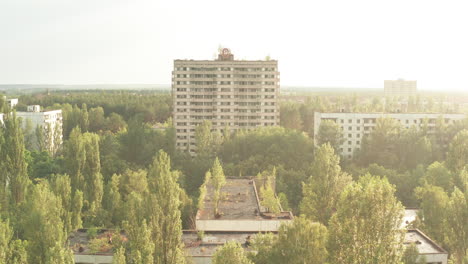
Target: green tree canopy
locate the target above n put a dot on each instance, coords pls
(330, 132)
(457, 157)
(231, 253)
(322, 190)
(164, 211)
(365, 227)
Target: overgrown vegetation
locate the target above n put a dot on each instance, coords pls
(115, 170)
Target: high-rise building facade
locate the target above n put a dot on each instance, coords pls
(400, 87)
(234, 94)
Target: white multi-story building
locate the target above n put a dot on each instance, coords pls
(50, 121)
(356, 125)
(400, 87)
(12, 102)
(238, 94)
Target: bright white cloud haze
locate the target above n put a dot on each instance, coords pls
(328, 43)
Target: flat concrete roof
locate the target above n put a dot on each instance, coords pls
(79, 241)
(424, 244)
(239, 202)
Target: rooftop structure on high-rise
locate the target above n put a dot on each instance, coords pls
(400, 88)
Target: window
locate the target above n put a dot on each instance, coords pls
(350, 128)
(349, 149)
(349, 135)
(358, 121)
(358, 128)
(349, 142)
(350, 121)
(358, 142)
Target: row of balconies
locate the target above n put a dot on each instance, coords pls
(222, 78)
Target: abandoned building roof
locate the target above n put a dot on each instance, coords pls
(95, 242)
(239, 201)
(424, 244)
(207, 244)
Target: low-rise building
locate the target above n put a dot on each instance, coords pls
(241, 216)
(240, 210)
(427, 248)
(356, 125)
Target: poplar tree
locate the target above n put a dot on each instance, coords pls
(60, 185)
(164, 211)
(269, 199)
(14, 163)
(93, 187)
(302, 242)
(433, 204)
(457, 157)
(365, 228)
(43, 227)
(119, 256)
(457, 227)
(112, 200)
(330, 132)
(11, 251)
(140, 246)
(217, 180)
(84, 167)
(75, 159)
(322, 190)
(231, 253)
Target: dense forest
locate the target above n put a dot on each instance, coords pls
(118, 168)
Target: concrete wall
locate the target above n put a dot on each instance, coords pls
(436, 258)
(93, 259)
(201, 260)
(240, 225)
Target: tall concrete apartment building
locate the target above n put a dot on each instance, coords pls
(234, 94)
(356, 125)
(400, 87)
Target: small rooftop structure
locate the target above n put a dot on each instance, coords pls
(239, 209)
(409, 217)
(432, 252)
(34, 108)
(12, 102)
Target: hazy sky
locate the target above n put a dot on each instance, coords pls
(346, 43)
